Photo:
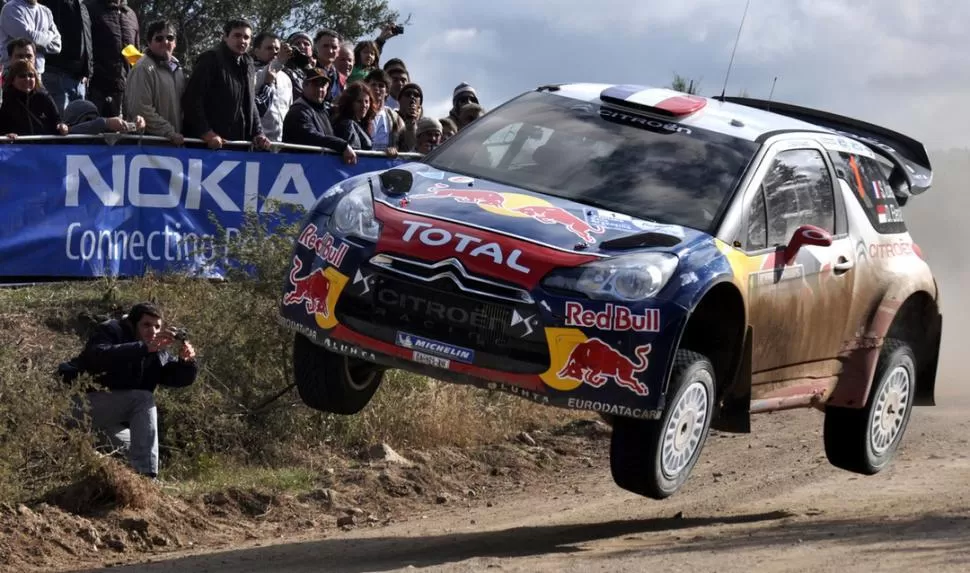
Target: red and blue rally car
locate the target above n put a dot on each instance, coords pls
(669, 261)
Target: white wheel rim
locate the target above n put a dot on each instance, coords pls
(685, 427)
(889, 411)
(352, 381)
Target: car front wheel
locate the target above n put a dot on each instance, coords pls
(653, 458)
(864, 440)
(332, 382)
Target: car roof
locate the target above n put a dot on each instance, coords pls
(719, 116)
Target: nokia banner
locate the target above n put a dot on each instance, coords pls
(100, 210)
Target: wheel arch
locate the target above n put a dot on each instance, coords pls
(716, 327)
(918, 322)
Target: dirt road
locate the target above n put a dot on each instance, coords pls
(768, 501)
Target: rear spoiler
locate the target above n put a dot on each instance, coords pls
(912, 173)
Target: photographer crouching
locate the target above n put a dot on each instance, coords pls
(128, 358)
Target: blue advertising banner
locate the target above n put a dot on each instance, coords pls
(100, 210)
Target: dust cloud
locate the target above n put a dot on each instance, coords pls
(939, 222)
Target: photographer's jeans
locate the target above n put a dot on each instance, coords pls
(63, 88)
(110, 411)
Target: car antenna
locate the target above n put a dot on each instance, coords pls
(772, 92)
(734, 50)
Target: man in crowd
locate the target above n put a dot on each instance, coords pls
(411, 98)
(274, 91)
(156, 84)
(82, 117)
(67, 73)
(219, 104)
(128, 359)
(30, 20)
(301, 59)
(463, 95)
(327, 44)
(400, 77)
(307, 121)
(388, 124)
(428, 134)
(113, 26)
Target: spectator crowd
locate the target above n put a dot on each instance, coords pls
(65, 70)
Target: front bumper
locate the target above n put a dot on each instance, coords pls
(437, 319)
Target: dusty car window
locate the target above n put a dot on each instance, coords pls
(867, 179)
(798, 191)
(757, 222)
(645, 167)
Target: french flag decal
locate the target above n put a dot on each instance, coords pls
(657, 100)
(881, 213)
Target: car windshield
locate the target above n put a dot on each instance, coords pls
(604, 157)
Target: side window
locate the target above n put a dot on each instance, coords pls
(798, 191)
(758, 222)
(870, 185)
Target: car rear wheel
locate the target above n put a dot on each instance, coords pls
(864, 440)
(653, 458)
(332, 382)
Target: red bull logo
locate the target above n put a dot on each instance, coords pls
(594, 362)
(491, 198)
(312, 290)
(517, 205)
(549, 215)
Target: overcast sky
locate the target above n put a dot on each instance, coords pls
(904, 64)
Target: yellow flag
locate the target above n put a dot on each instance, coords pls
(131, 54)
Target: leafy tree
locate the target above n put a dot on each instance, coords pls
(199, 22)
(683, 84)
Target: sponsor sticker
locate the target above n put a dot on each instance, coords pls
(461, 179)
(595, 362)
(432, 174)
(620, 222)
(430, 360)
(511, 389)
(341, 347)
(429, 346)
(614, 409)
(614, 318)
(325, 246)
(311, 289)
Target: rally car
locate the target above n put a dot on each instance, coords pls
(669, 261)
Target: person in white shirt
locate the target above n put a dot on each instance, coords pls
(274, 89)
(388, 123)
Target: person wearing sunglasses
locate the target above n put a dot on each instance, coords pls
(156, 85)
(27, 109)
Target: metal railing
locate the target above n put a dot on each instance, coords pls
(194, 143)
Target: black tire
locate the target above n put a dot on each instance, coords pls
(864, 440)
(637, 446)
(332, 382)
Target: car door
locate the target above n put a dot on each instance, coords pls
(797, 307)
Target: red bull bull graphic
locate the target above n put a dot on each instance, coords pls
(312, 290)
(549, 215)
(594, 362)
(517, 205)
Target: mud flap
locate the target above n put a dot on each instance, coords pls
(733, 413)
(930, 359)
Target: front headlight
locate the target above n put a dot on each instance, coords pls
(629, 278)
(354, 214)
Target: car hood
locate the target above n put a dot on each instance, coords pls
(533, 216)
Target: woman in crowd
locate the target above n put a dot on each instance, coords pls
(27, 108)
(354, 116)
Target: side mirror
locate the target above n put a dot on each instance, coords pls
(806, 235)
(396, 181)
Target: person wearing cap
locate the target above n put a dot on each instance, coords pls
(428, 134)
(400, 77)
(307, 122)
(411, 98)
(463, 95)
(82, 117)
(469, 113)
(448, 128)
(301, 59)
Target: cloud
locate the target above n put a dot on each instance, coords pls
(900, 63)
